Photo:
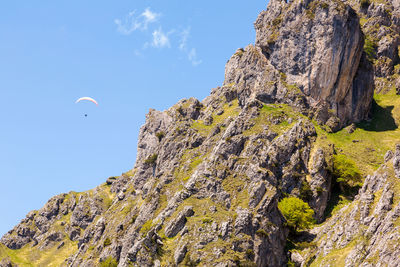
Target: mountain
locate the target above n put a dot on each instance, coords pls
(308, 113)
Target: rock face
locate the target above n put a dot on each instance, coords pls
(367, 228)
(173, 228)
(209, 174)
(315, 46)
(382, 40)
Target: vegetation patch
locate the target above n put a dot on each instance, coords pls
(151, 160)
(297, 213)
(238, 53)
(370, 48)
(230, 110)
(262, 233)
(367, 145)
(207, 220)
(236, 187)
(146, 227)
(270, 113)
(31, 256)
(347, 175)
(336, 257)
(107, 242)
(109, 262)
(160, 135)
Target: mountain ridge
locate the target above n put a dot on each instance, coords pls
(209, 175)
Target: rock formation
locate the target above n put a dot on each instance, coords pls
(315, 48)
(209, 175)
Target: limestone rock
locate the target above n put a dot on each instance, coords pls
(180, 253)
(396, 161)
(177, 224)
(318, 46)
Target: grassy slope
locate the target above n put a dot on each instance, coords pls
(371, 140)
(33, 256)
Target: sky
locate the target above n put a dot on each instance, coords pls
(129, 55)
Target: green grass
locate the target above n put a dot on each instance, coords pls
(229, 111)
(367, 145)
(32, 256)
(202, 217)
(236, 187)
(270, 112)
(146, 227)
(109, 262)
(336, 257)
(151, 160)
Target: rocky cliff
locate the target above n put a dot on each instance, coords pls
(209, 175)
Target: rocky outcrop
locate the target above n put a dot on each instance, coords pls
(381, 26)
(173, 228)
(43, 227)
(209, 174)
(365, 231)
(321, 183)
(314, 48)
(396, 161)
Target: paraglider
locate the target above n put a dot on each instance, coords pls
(88, 99)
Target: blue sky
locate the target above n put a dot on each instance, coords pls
(128, 55)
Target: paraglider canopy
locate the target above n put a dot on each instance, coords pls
(88, 99)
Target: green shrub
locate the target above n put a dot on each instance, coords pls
(160, 136)
(297, 213)
(107, 242)
(109, 262)
(347, 175)
(283, 76)
(151, 160)
(369, 48)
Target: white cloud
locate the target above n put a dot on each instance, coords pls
(183, 46)
(132, 22)
(147, 22)
(184, 38)
(192, 56)
(149, 17)
(160, 39)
